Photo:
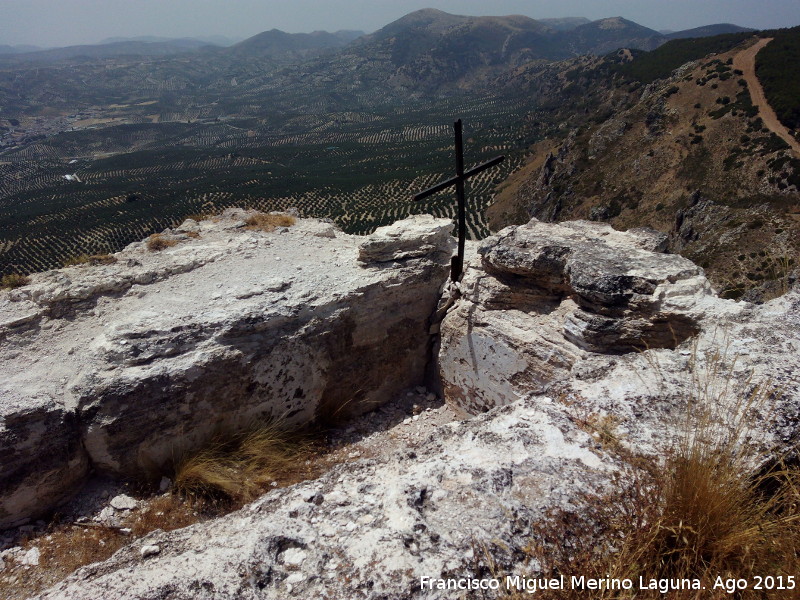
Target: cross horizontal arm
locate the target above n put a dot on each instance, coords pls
(452, 181)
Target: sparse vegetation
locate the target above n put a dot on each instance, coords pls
(203, 216)
(13, 280)
(94, 259)
(235, 468)
(269, 222)
(709, 509)
(68, 546)
(229, 471)
(158, 241)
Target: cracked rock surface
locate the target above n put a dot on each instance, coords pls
(122, 367)
(426, 492)
(415, 500)
(619, 332)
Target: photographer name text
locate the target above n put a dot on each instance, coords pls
(580, 582)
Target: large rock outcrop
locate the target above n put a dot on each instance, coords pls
(596, 317)
(124, 367)
(434, 496)
(373, 527)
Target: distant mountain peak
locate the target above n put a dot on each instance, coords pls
(279, 43)
(707, 30)
(615, 23)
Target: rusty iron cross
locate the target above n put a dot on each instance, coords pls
(457, 262)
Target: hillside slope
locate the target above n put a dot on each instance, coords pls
(689, 156)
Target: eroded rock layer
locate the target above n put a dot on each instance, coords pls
(374, 527)
(548, 412)
(124, 367)
(617, 330)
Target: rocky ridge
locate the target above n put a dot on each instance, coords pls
(121, 368)
(553, 328)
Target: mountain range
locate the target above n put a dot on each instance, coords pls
(552, 39)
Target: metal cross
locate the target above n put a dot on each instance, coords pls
(457, 262)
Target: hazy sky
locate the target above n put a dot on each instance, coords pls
(66, 22)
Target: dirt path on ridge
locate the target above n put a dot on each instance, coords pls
(746, 62)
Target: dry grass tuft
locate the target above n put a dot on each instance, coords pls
(94, 260)
(230, 471)
(234, 469)
(70, 547)
(265, 222)
(166, 512)
(706, 510)
(197, 217)
(207, 212)
(14, 280)
(158, 242)
(697, 517)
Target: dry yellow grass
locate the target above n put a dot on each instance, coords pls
(269, 222)
(234, 469)
(203, 216)
(67, 547)
(94, 259)
(166, 512)
(13, 280)
(708, 509)
(700, 516)
(158, 242)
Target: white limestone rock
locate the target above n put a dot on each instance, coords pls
(483, 480)
(123, 367)
(123, 502)
(31, 557)
(413, 237)
(527, 379)
(150, 550)
(584, 313)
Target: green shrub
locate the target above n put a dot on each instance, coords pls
(659, 63)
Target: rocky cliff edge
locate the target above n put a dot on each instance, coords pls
(121, 368)
(555, 333)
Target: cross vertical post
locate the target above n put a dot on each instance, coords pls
(457, 262)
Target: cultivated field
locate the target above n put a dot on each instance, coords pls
(357, 167)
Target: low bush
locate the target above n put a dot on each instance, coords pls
(269, 222)
(157, 242)
(13, 280)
